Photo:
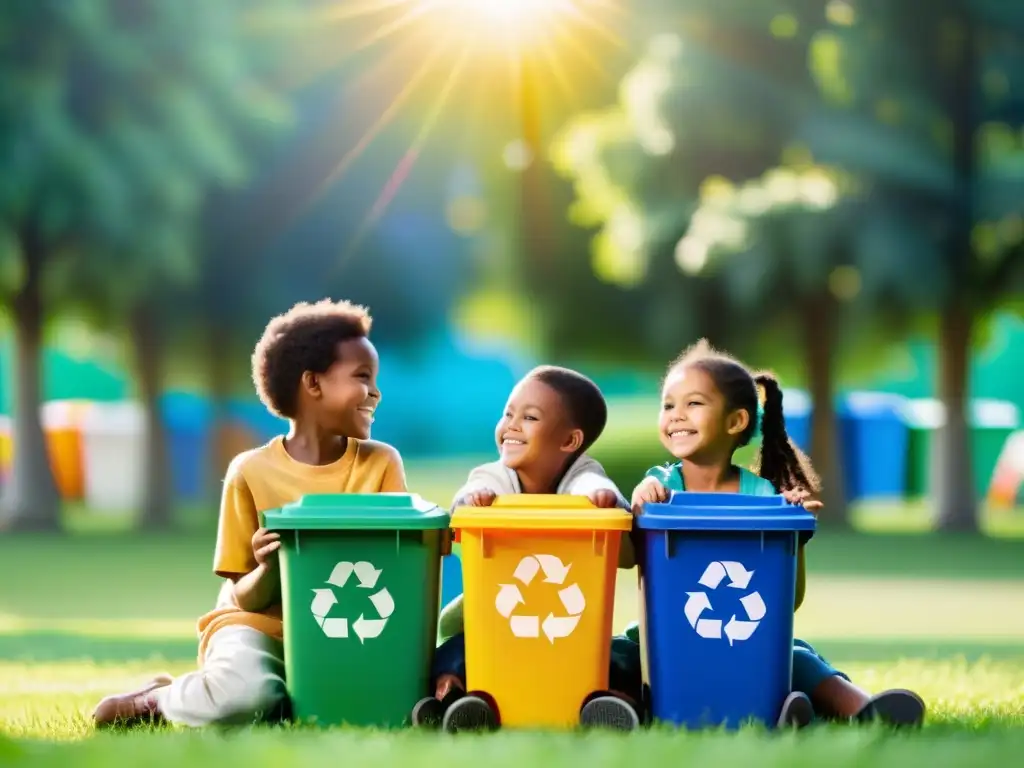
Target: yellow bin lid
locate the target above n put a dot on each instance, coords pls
(543, 512)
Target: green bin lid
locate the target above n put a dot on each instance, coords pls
(357, 511)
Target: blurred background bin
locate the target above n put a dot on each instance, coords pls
(6, 445)
(796, 405)
(187, 419)
(113, 441)
(62, 425)
(990, 424)
(875, 440)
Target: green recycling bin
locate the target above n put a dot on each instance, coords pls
(990, 424)
(360, 588)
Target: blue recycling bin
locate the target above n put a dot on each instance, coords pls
(718, 583)
(875, 441)
(187, 420)
(796, 405)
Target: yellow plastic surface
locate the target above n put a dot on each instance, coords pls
(536, 511)
(64, 449)
(553, 582)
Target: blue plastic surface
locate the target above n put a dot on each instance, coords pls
(187, 420)
(711, 564)
(451, 578)
(724, 512)
(875, 440)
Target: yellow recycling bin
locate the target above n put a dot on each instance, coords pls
(539, 591)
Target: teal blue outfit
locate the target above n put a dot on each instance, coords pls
(809, 667)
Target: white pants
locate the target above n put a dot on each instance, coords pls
(241, 681)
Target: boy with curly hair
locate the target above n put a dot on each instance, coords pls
(316, 367)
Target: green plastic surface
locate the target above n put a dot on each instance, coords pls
(360, 588)
(357, 511)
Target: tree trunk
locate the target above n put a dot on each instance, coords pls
(158, 491)
(30, 498)
(951, 469)
(952, 473)
(219, 379)
(820, 338)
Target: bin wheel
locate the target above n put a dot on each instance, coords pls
(473, 712)
(605, 709)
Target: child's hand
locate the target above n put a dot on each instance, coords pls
(803, 498)
(479, 499)
(264, 546)
(650, 491)
(604, 498)
(445, 683)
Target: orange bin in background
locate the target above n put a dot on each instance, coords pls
(539, 590)
(62, 427)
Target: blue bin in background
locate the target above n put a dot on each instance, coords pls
(187, 421)
(718, 583)
(875, 441)
(796, 406)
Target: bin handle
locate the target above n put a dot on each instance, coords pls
(599, 540)
(446, 542)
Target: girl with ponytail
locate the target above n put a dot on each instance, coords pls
(709, 410)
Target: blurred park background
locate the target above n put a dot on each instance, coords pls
(834, 190)
(830, 189)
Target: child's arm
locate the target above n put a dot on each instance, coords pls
(245, 553)
(394, 475)
(485, 481)
(593, 481)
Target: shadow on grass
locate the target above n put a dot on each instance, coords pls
(846, 651)
(49, 647)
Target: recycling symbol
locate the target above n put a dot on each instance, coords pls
(554, 627)
(735, 630)
(363, 628)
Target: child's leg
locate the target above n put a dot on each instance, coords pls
(447, 682)
(835, 696)
(449, 668)
(241, 681)
(625, 675)
(622, 709)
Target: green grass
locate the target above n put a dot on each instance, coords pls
(86, 615)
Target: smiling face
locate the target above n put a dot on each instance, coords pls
(695, 421)
(345, 396)
(534, 432)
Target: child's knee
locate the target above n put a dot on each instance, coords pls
(450, 659)
(257, 696)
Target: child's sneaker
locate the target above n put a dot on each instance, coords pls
(428, 713)
(132, 708)
(609, 711)
(470, 713)
(898, 708)
(797, 711)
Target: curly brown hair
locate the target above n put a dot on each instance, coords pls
(778, 459)
(305, 338)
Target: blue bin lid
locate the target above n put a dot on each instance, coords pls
(691, 511)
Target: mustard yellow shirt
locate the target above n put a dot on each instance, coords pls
(267, 478)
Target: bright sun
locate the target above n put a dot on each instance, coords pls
(522, 21)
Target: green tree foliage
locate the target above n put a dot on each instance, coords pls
(716, 107)
(115, 117)
(926, 107)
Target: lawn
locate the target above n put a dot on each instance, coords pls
(89, 614)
